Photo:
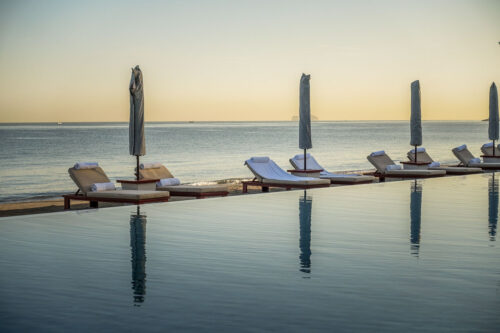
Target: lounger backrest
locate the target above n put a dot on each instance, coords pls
(298, 162)
(84, 178)
(463, 155)
(421, 157)
(156, 173)
(267, 169)
(488, 151)
(380, 162)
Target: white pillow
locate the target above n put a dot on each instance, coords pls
(153, 165)
(263, 159)
(462, 147)
(378, 153)
(434, 165)
(85, 165)
(475, 160)
(97, 187)
(168, 182)
(393, 167)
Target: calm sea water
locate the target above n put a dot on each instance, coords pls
(390, 257)
(35, 157)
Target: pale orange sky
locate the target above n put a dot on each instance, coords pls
(242, 60)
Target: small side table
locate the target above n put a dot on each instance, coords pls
(491, 158)
(142, 185)
(305, 173)
(409, 165)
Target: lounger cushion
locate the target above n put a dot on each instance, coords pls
(156, 173)
(419, 150)
(488, 151)
(84, 178)
(128, 194)
(347, 179)
(463, 155)
(298, 162)
(457, 170)
(421, 157)
(415, 172)
(380, 162)
(484, 165)
(315, 181)
(194, 188)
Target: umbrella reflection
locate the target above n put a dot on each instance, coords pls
(492, 207)
(305, 206)
(415, 217)
(138, 247)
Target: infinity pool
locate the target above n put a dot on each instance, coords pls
(398, 256)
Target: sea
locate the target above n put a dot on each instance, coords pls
(35, 157)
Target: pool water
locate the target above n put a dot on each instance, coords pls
(397, 256)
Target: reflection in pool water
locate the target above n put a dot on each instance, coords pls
(138, 248)
(305, 210)
(233, 264)
(492, 207)
(415, 216)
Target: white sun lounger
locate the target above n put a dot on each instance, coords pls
(383, 163)
(423, 156)
(269, 174)
(468, 160)
(298, 163)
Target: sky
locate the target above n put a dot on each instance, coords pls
(70, 61)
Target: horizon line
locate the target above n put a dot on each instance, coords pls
(227, 121)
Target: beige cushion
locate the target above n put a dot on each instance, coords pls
(84, 178)
(297, 182)
(421, 157)
(464, 156)
(484, 165)
(415, 173)
(489, 151)
(380, 162)
(457, 170)
(157, 173)
(194, 188)
(351, 180)
(128, 194)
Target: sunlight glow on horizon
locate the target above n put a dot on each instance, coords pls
(242, 60)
